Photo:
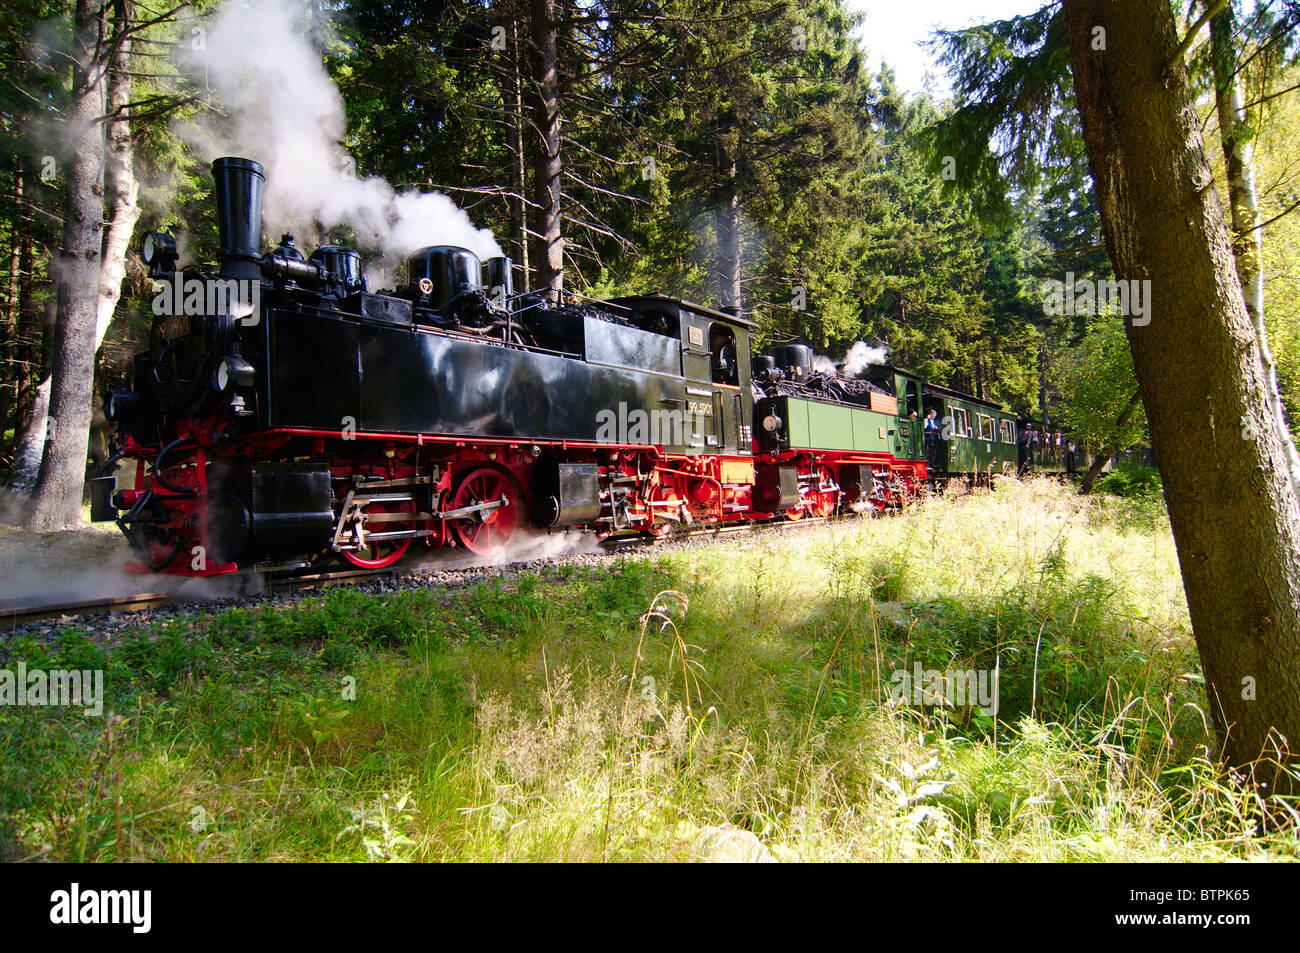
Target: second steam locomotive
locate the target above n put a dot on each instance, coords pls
(284, 412)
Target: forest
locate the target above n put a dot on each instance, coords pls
(750, 157)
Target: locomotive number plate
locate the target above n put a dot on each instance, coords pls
(174, 326)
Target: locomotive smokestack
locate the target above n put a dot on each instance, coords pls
(239, 215)
(497, 278)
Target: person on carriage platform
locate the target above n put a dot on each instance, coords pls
(931, 436)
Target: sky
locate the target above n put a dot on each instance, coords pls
(893, 27)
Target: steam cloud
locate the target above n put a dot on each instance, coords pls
(275, 102)
(859, 357)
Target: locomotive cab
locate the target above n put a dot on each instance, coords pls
(712, 351)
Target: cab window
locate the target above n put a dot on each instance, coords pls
(723, 366)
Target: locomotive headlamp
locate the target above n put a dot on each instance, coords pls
(158, 251)
(232, 370)
(122, 406)
(771, 423)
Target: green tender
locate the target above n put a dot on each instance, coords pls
(813, 425)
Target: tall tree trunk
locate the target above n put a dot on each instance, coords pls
(1112, 447)
(12, 382)
(29, 450)
(27, 348)
(519, 167)
(30, 439)
(730, 254)
(1243, 199)
(1234, 513)
(547, 166)
(56, 499)
(120, 185)
(1042, 380)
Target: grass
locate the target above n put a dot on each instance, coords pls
(617, 712)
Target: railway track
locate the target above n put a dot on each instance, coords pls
(18, 611)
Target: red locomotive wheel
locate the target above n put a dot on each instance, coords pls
(381, 554)
(485, 533)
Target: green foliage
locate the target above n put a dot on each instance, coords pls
(1130, 480)
(1014, 103)
(1097, 384)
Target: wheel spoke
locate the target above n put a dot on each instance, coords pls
(485, 531)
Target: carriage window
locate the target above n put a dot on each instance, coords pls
(960, 422)
(1007, 431)
(722, 355)
(986, 427)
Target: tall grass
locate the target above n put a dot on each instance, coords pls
(616, 713)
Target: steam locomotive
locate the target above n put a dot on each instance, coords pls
(284, 412)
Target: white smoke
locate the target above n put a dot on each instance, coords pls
(861, 355)
(855, 362)
(274, 102)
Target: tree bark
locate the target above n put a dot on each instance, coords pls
(120, 185)
(547, 165)
(27, 348)
(34, 401)
(730, 254)
(56, 499)
(1042, 380)
(519, 167)
(1243, 199)
(1112, 448)
(12, 382)
(1233, 510)
(29, 449)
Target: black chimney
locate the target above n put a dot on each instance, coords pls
(496, 274)
(239, 215)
